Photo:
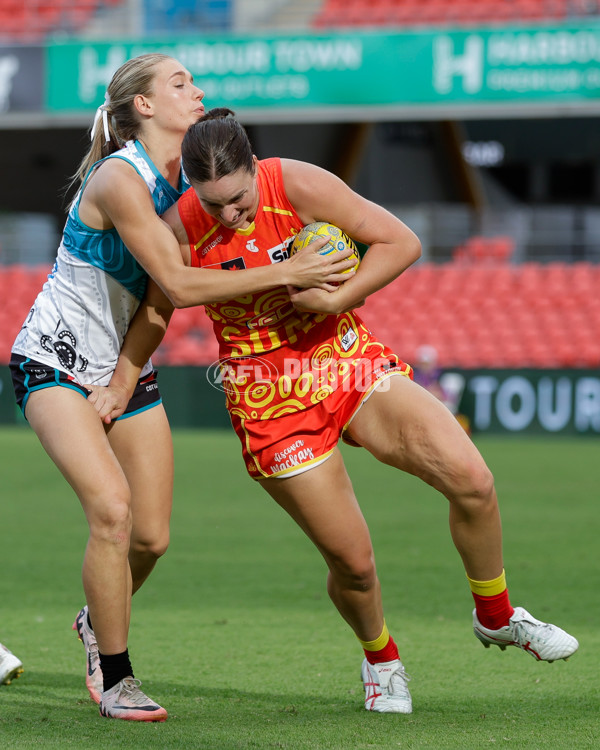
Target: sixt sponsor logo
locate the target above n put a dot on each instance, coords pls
(280, 252)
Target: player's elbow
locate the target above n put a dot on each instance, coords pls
(177, 294)
(408, 252)
(414, 248)
(173, 297)
(408, 248)
(179, 300)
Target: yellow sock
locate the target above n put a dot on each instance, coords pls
(378, 643)
(488, 588)
(382, 649)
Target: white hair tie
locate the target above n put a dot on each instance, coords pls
(102, 112)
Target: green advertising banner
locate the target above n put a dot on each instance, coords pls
(509, 402)
(533, 402)
(376, 74)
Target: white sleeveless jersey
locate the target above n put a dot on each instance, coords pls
(79, 319)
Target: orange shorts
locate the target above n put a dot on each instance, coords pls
(297, 442)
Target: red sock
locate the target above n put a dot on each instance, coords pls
(493, 612)
(388, 653)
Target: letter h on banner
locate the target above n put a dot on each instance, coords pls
(447, 65)
(94, 77)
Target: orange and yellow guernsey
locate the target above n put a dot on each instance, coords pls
(275, 360)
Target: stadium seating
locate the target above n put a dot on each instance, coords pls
(345, 13)
(19, 285)
(493, 315)
(476, 313)
(484, 250)
(32, 20)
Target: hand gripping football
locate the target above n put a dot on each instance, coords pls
(338, 242)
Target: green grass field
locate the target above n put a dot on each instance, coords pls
(234, 633)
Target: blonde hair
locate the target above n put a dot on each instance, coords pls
(134, 77)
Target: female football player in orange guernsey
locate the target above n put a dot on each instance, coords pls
(328, 377)
(69, 344)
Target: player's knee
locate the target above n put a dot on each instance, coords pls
(357, 572)
(151, 545)
(489, 486)
(482, 481)
(476, 485)
(112, 522)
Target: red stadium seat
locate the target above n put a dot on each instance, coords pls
(477, 315)
(501, 316)
(81, 13)
(439, 12)
(33, 19)
(479, 249)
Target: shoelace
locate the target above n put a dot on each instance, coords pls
(402, 674)
(536, 636)
(131, 689)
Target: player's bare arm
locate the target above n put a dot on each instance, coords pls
(144, 334)
(307, 269)
(118, 197)
(319, 195)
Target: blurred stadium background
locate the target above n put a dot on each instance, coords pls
(474, 121)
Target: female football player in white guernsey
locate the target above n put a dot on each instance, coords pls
(68, 347)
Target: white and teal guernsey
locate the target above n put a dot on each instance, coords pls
(79, 319)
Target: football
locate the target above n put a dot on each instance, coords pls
(338, 241)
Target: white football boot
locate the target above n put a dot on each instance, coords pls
(93, 673)
(386, 687)
(126, 701)
(10, 666)
(545, 642)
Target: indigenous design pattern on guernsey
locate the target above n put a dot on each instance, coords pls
(293, 384)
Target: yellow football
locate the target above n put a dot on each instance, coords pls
(338, 242)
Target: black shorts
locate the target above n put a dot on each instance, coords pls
(29, 376)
